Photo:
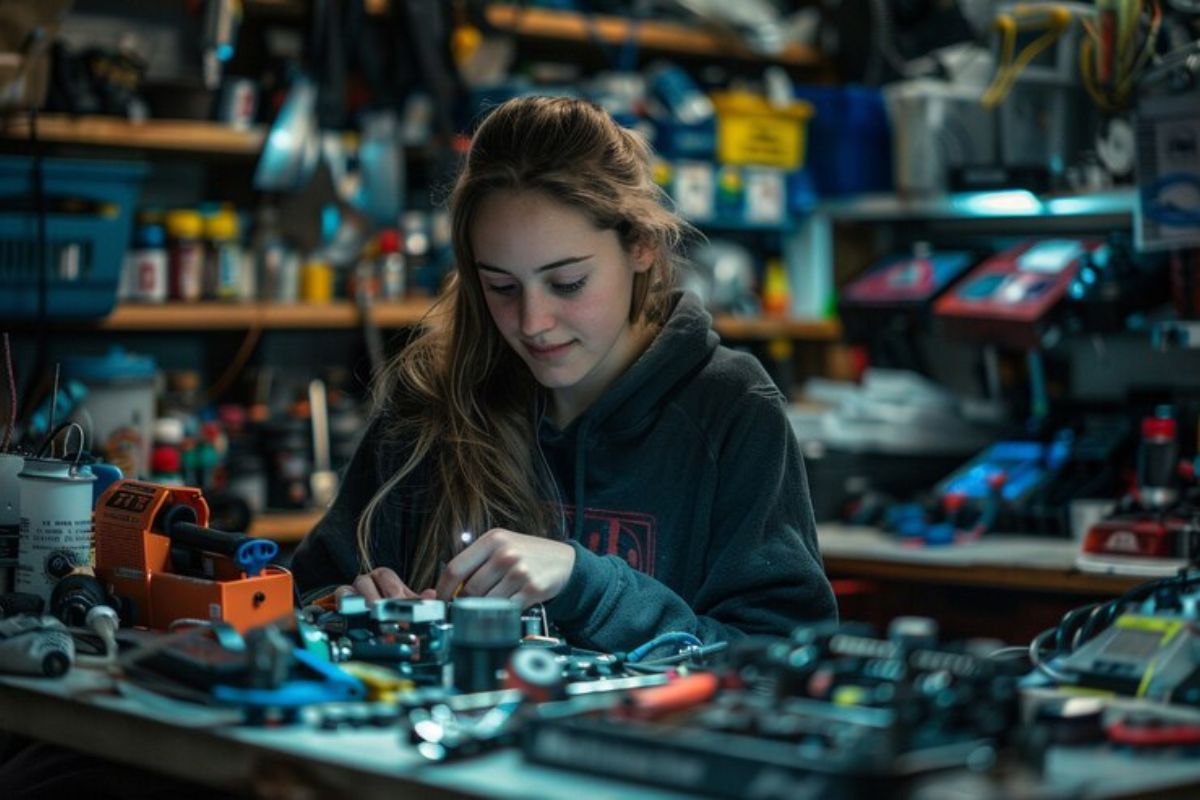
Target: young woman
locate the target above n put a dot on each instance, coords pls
(567, 430)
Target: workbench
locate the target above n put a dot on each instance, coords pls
(1004, 586)
(200, 745)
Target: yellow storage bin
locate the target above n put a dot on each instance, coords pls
(752, 131)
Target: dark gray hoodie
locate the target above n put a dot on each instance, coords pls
(696, 510)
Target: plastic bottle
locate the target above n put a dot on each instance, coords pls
(223, 256)
(277, 265)
(393, 271)
(679, 94)
(146, 265)
(422, 279)
(1158, 459)
(362, 283)
(776, 296)
(185, 255)
(316, 281)
(166, 460)
(166, 466)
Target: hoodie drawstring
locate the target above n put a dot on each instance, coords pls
(580, 465)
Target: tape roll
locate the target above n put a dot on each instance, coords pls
(537, 673)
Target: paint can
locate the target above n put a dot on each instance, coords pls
(55, 523)
(10, 518)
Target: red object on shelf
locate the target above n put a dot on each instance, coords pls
(166, 460)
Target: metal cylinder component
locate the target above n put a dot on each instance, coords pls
(486, 630)
(56, 523)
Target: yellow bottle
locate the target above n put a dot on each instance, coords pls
(776, 296)
(316, 282)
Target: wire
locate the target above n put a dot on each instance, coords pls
(12, 396)
(694, 651)
(54, 395)
(221, 384)
(1035, 657)
(1005, 652)
(1108, 79)
(674, 637)
(1058, 22)
(49, 440)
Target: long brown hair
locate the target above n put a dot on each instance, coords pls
(458, 396)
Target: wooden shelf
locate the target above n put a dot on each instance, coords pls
(343, 314)
(669, 37)
(230, 316)
(826, 330)
(192, 136)
(285, 527)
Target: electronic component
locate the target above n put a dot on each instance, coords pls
(894, 295)
(1009, 298)
(35, 645)
(74, 596)
(1142, 655)
(409, 636)
(486, 630)
(830, 712)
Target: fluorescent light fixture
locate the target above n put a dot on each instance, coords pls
(1115, 202)
(1007, 203)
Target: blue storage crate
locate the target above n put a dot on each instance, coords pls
(849, 139)
(90, 208)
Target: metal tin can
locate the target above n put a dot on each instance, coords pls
(238, 102)
(10, 518)
(56, 523)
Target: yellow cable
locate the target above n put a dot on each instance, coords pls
(1007, 26)
(1030, 52)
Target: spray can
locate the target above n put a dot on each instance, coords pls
(56, 523)
(392, 271)
(185, 255)
(10, 518)
(146, 265)
(223, 257)
(1158, 459)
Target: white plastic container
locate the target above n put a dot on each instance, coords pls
(120, 404)
(936, 126)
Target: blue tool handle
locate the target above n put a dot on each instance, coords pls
(254, 554)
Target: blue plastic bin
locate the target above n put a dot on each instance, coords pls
(90, 215)
(849, 139)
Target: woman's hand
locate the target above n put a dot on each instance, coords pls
(381, 583)
(528, 569)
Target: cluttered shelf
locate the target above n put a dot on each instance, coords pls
(345, 314)
(195, 136)
(649, 34)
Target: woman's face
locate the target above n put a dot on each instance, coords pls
(559, 290)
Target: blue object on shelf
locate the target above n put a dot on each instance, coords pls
(849, 139)
(674, 139)
(89, 217)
